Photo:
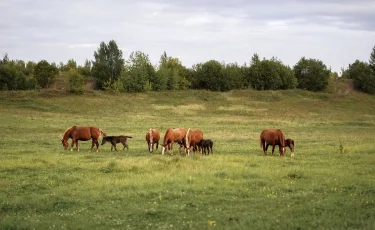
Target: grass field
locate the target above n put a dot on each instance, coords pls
(329, 184)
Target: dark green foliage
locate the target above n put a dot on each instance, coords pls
(362, 76)
(311, 74)
(108, 64)
(76, 82)
(12, 74)
(269, 75)
(234, 74)
(372, 60)
(211, 76)
(30, 66)
(45, 73)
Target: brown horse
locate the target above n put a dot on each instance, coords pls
(290, 144)
(193, 138)
(152, 137)
(81, 133)
(171, 136)
(272, 137)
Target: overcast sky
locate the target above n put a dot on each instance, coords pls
(336, 32)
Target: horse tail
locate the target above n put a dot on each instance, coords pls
(128, 136)
(281, 138)
(187, 141)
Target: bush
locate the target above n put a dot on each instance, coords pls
(45, 73)
(363, 77)
(76, 82)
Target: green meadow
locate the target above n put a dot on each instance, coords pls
(328, 184)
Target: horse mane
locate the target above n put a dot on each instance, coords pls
(187, 137)
(66, 132)
(103, 133)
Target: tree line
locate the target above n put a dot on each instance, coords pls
(110, 71)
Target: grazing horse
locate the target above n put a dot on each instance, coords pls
(171, 136)
(272, 137)
(206, 144)
(81, 133)
(193, 138)
(290, 144)
(116, 139)
(152, 137)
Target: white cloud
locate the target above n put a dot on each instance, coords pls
(336, 32)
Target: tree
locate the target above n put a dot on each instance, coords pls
(289, 81)
(372, 60)
(234, 74)
(108, 63)
(171, 74)
(85, 70)
(30, 66)
(311, 74)
(269, 74)
(12, 74)
(211, 76)
(71, 64)
(45, 73)
(138, 72)
(363, 77)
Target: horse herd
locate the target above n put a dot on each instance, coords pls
(191, 140)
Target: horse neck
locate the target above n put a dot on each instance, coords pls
(67, 133)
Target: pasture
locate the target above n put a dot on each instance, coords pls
(328, 184)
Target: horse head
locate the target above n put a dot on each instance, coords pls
(64, 144)
(290, 143)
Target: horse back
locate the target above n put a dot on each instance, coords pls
(271, 135)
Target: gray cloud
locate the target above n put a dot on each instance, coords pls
(336, 32)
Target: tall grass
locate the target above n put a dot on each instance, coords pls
(329, 184)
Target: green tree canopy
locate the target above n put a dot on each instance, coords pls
(372, 60)
(211, 76)
(171, 74)
(311, 74)
(45, 73)
(138, 72)
(363, 77)
(108, 64)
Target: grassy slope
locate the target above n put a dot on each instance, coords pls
(328, 184)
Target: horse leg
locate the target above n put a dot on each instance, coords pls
(265, 148)
(273, 149)
(97, 145)
(73, 142)
(92, 144)
(157, 145)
